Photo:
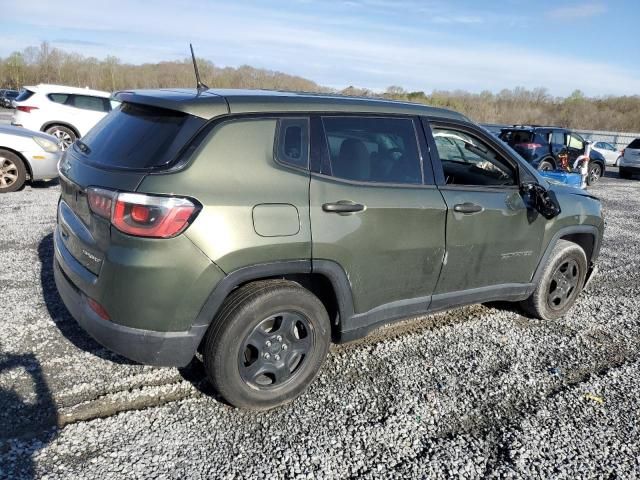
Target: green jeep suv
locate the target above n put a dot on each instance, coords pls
(258, 227)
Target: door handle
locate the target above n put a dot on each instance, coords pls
(467, 208)
(342, 206)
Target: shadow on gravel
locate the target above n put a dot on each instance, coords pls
(44, 183)
(195, 374)
(26, 424)
(59, 313)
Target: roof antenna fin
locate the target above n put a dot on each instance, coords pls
(200, 86)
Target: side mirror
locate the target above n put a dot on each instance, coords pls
(541, 199)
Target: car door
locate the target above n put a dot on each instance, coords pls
(373, 212)
(493, 239)
(575, 147)
(558, 144)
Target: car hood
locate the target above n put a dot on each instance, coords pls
(24, 132)
(562, 188)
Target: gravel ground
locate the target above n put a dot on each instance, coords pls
(475, 392)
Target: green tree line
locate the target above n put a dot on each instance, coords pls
(47, 64)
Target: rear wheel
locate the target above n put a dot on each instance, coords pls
(560, 284)
(546, 166)
(64, 135)
(595, 172)
(13, 173)
(267, 344)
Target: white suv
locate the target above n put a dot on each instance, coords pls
(630, 161)
(66, 113)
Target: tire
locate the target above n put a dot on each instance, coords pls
(594, 173)
(617, 164)
(272, 326)
(543, 303)
(13, 173)
(65, 135)
(546, 165)
(626, 174)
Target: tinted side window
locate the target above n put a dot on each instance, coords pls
(557, 138)
(86, 102)
(575, 141)
(467, 160)
(58, 97)
(373, 149)
(292, 146)
(24, 95)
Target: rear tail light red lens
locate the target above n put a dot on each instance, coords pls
(528, 146)
(25, 109)
(143, 215)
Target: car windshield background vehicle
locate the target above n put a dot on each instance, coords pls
(138, 137)
(24, 95)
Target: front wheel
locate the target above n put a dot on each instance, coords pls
(13, 173)
(560, 284)
(546, 166)
(595, 172)
(267, 344)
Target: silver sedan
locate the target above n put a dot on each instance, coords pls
(26, 155)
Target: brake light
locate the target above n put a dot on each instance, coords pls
(143, 215)
(528, 146)
(25, 109)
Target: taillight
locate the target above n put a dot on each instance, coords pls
(528, 146)
(143, 215)
(99, 309)
(25, 109)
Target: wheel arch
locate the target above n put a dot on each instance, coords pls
(585, 236)
(54, 123)
(26, 163)
(325, 279)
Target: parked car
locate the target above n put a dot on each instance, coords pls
(26, 156)
(6, 97)
(257, 227)
(67, 113)
(610, 153)
(553, 148)
(630, 161)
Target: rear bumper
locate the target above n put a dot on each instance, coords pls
(171, 349)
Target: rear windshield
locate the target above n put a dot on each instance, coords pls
(138, 137)
(635, 144)
(11, 94)
(24, 95)
(513, 137)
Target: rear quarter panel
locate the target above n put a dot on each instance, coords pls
(232, 172)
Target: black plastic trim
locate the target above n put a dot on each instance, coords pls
(589, 229)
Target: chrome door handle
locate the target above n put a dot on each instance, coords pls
(342, 207)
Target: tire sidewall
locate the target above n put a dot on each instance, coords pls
(591, 166)
(62, 128)
(546, 161)
(561, 254)
(22, 172)
(221, 353)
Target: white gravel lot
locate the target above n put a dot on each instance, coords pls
(476, 392)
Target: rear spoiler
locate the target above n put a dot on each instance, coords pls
(205, 105)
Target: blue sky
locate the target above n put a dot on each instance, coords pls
(420, 45)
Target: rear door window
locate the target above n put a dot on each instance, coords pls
(58, 97)
(373, 149)
(138, 137)
(86, 102)
(557, 138)
(635, 144)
